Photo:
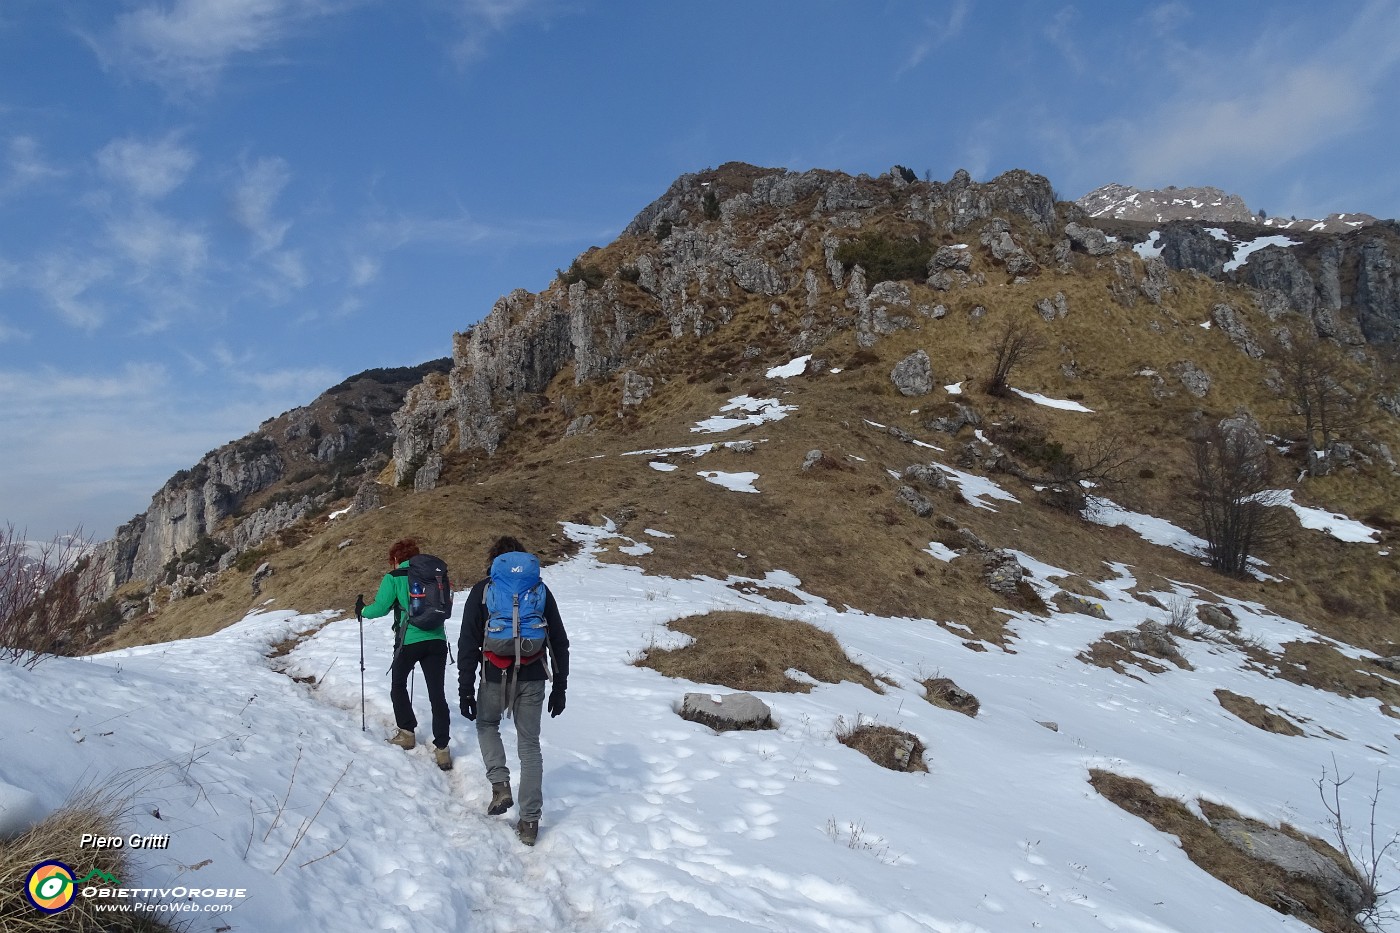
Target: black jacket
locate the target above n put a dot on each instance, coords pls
(469, 655)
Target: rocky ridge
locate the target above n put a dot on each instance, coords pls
(1205, 204)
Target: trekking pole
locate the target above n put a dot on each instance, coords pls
(359, 616)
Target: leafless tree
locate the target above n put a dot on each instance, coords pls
(1015, 342)
(1318, 385)
(1233, 501)
(42, 594)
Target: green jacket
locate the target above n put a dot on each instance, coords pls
(393, 594)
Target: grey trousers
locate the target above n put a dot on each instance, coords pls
(528, 705)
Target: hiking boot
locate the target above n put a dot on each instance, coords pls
(528, 831)
(404, 739)
(501, 800)
(444, 758)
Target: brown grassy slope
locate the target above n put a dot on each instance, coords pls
(841, 531)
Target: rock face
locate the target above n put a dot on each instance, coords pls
(692, 266)
(204, 517)
(1207, 205)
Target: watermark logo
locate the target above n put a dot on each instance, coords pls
(50, 887)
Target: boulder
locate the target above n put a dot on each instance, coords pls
(927, 474)
(1297, 859)
(911, 497)
(636, 388)
(728, 712)
(913, 375)
(1002, 572)
(1089, 240)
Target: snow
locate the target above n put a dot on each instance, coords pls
(19, 809)
(1333, 523)
(652, 822)
(738, 482)
(755, 411)
(339, 512)
(1150, 248)
(976, 489)
(661, 467)
(657, 534)
(1243, 250)
(954, 389)
(794, 368)
(1060, 403)
(941, 551)
(1102, 511)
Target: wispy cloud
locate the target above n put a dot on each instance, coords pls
(25, 166)
(187, 44)
(254, 198)
(155, 244)
(148, 169)
(1061, 33)
(65, 282)
(1283, 97)
(936, 32)
(481, 20)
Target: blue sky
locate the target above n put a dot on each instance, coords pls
(212, 210)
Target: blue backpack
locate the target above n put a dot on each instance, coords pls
(515, 600)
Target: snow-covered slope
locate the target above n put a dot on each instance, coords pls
(653, 822)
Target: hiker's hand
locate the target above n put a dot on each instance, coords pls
(469, 708)
(556, 701)
(359, 603)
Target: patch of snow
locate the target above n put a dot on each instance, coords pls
(636, 549)
(1205, 325)
(954, 389)
(1219, 234)
(1151, 247)
(941, 551)
(1333, 523)
(755, 411)
(657, 534)
(662, 467)
(339, 512)
(793, 368)
(1102, 511)
(1060, 403)
(1244, 249)
(737, 482)
(975, 488)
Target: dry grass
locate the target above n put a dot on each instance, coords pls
(1260, 881)
(887, 746)
(1256, 713)
(1318, 665)
(750, 651)
(56, 838)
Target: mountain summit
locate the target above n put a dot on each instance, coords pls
(1205, 204)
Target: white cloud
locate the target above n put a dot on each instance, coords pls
(480, 20)
(65, 281)
(364, 270)
(26, 166)
(188, 43)
(148, 169)
(1284, 96)
(155, 243)
(938, 31)
(254, 198)
(1061, 33)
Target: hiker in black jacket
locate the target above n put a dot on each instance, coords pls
(511, 684)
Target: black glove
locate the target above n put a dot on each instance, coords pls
(556, 700)
(359, 604)
(469, 707)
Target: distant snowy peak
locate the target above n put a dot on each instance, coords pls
(1123, 202)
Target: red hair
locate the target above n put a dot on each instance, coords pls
(402, 550)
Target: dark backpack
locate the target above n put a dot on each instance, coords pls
(429, 592)
(516, 631)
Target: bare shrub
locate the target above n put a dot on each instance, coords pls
(43, 592)
(1365, 854)
(1233, 502)
(1015, 342)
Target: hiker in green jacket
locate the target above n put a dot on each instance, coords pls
(426, 648)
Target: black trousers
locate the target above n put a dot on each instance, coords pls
(431, 656)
